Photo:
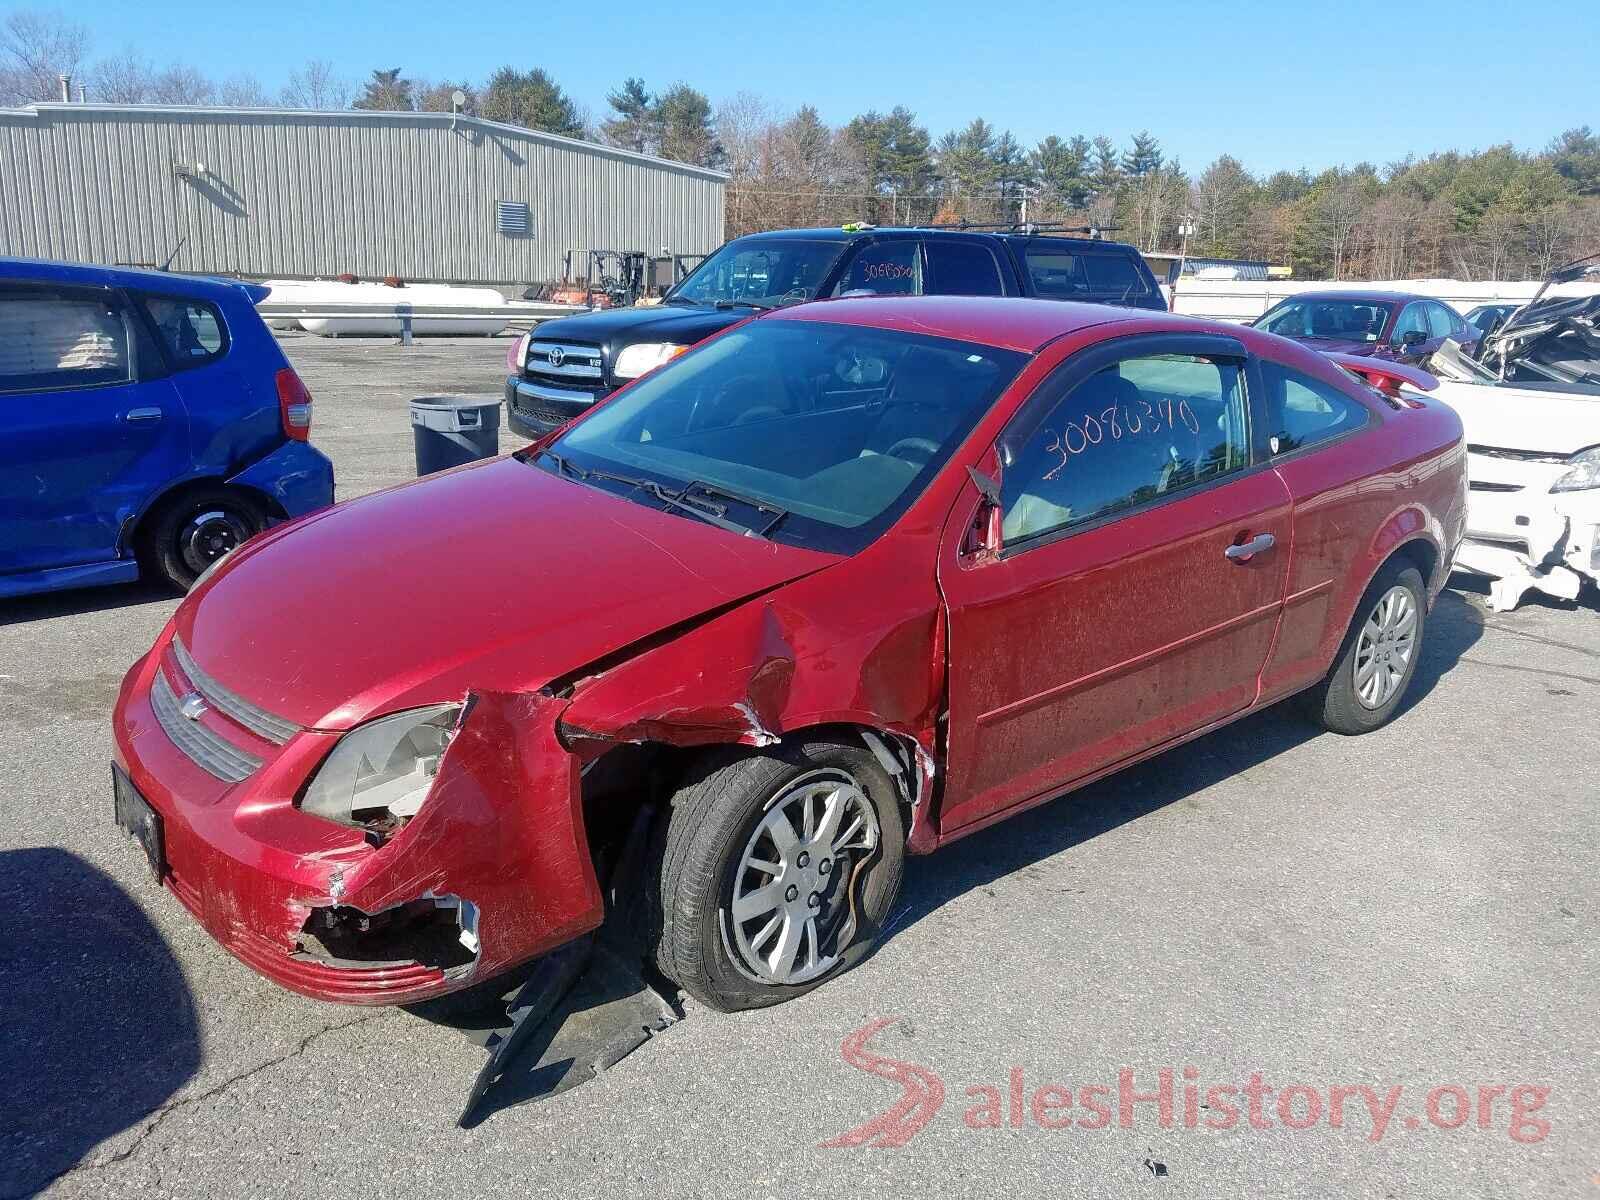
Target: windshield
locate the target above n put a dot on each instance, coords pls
(1352, 320)
(809, 433)
(765, 272)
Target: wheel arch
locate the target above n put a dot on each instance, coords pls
(136, 524)
(622, 778)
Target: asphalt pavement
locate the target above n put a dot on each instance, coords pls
(1377, 954)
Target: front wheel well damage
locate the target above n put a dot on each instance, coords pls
(628, 776)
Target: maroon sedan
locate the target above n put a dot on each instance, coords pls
(846, 582)
(1396, 326)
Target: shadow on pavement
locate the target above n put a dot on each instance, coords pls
(97, 1027)
(71, 602)
(1454, 626)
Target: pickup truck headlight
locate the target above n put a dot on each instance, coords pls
(379, 774)
(635, 361)
(1584, 475)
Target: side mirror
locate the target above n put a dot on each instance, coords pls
(1413, 337)
(984, 539)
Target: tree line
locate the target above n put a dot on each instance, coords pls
(1497, 213)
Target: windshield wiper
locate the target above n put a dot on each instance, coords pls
(706, 510)
(771, 511)
(759, 305)
(715, 514)
(563, 467)
(682, 300)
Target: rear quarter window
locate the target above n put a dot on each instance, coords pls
(1301, 411)
(191, 331)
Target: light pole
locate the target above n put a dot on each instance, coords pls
(1186, 228)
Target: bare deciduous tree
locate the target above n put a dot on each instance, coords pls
(1335, 216)
(243, 91)
(129, 79)
(316, 86)
(37, 47)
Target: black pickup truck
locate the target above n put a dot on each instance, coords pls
(569, 363)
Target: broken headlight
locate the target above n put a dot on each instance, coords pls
(379, 774)
(1585, 472)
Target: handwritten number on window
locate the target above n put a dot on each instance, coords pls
(1075, 438)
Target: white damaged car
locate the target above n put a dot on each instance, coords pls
(1530, 404)
(1533, 466)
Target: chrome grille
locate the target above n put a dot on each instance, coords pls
(258, 721)
(210, 752)
(564, 360)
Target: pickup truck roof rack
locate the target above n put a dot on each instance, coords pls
(1094, 232)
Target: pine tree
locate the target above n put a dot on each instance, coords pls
(683, 118)
(530, 99)
(635, 126)
(1143, 157)
(386, 91)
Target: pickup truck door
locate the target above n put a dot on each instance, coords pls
(968, 266)
(1140, 581)
(84, 439)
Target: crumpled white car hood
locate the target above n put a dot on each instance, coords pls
(1519, 533)
(1528, 419)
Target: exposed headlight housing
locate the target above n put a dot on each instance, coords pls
(635, 361)
(379, 774)
(1584, 475)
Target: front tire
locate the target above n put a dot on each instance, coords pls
(187, 534)
(1379, 655)
(777, 871)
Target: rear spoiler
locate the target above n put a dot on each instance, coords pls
(1386, 377)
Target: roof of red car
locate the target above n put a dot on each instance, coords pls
(1006, 323)
(1359, 295)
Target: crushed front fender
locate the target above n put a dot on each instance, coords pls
(502, 828)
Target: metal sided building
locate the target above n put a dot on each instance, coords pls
(286, 193)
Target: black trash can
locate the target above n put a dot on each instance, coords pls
(452, 430)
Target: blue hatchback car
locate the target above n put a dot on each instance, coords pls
(149, 423)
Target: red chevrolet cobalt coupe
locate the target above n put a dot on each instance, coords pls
(847, 582)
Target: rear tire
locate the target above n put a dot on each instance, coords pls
(190, 532)
(1378, 658)
(735, 935)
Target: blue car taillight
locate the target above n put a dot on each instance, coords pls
(294, 405)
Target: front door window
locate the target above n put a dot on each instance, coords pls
(1140, 430)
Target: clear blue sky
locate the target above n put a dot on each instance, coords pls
(1278, 85)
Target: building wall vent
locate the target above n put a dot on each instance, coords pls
(513, 218)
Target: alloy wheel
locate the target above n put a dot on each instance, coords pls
(792, 913)
(1384, 650)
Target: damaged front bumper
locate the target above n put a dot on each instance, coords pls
(1522, 535)
(491, 872)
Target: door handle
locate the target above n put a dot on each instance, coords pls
(1248, 550)
(142, 416)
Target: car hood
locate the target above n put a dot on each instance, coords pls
(1525, 420)
(496, 576)
(641, 323)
